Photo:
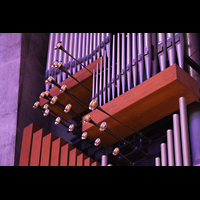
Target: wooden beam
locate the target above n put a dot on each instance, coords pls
(144, 104)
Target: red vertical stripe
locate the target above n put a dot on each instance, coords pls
(88, 161)
(46, 149)
(55, 151)
(26, 144)
(72, 156)
(95, 164)
(36, 147)
(80, 159)
(64, 156)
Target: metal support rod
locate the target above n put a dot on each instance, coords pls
(177, 140)
(192, 63)
(184, 131)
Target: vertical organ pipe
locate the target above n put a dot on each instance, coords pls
(104, 160)
(100, 83)
(179, 42)
(93, 84)
(163, 154)
(177, 140)
(97, 83)
(162, 51)
(170, 149)
(129, 60)
(140, 57)
(123, 77)
(118, 64)
(157, 161)
(134, 58)
(184, 131)
(113, 68)
(108, 76)
(104, 79)
(170, 48)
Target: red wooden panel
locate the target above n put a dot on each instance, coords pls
(95, 164)
(46, 149)
(36, 147)
(64, 155)
(88, 161)
(55, 151)
(80, 159)
(72, 156)
(26, 144)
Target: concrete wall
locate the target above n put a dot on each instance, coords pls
(22, 67)
(10, 54)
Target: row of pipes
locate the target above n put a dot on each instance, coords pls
(177, 150)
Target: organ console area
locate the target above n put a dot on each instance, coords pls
(116, 86)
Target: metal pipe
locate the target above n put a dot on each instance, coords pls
(128, 66)
(179, 42)
(140, 57)
(100, 83)
(118, 77)
(108, 76)
(104, 79)
(134, 58)
(113, 68)
(104, 160)
(184, 131)
(93, 84)
(177, 140)
(170, 48)
(170, 148)
(162, 51)
(147, 53)
(79, 50)
(123, 69)
(97, 83)
(65, 57)
(157, 161)
(163, 154)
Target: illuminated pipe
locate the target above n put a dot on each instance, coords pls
(104, 160)
(163, 154)
(170, 149)
(184, 131)
(177, 140)
(157, 161)
(59, 46)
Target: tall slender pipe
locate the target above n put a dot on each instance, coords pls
(170, 149)
(157, 161)
(184, 131)
(177, 140)
(163, 154)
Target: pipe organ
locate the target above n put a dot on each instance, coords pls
(147, 73)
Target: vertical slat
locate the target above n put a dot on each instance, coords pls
(65, 58)
(88, 161)
(73, 156)
(79, 50)
(163, 154)
(157, 161)
(177, 140)
(113, 68)
(170, 148)
(123, 76)
(108, 76)
(27, 143)
(80, 159)
(55, 151)
(100, 83)
(118, 77)
(170, 48)
(104, 79)
(147, 53)
(184, 131)
(97, 83)
(64, 154)
(129, 60)
(179, 42)
(93, 84)
(155, 54)
(140, 57)
(162, 51)
(134, 58)
(46, 149)
(36, 147)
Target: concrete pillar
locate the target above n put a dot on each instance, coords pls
(194, 108)
(22, 68)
